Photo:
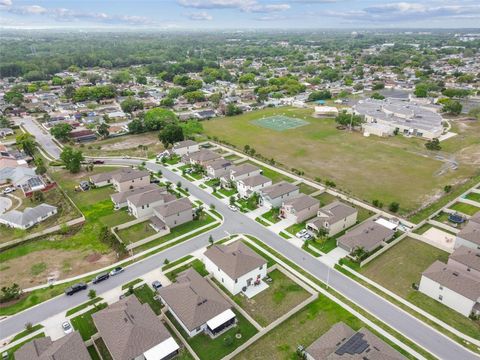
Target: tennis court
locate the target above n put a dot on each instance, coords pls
(279, 122)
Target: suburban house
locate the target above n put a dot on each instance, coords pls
(201, 157)
(470, 235)
(122, 179)
(172, 214)
(299, 208)
(342, 342)
(457, 283)
(197, 305)
(142, 204)
(235, 266)
(131, 330)
(274, 195)
(6, 131)
(368, 235)
(185, 147)
(82, 136)
(22, 177)
(333, 218)
(68, 347)
(29, 217)
(218, 167)
(252, 184)
(120, 199)
(239, 172)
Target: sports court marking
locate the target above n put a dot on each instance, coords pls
(279, 122)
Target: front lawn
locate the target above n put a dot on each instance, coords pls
(465, 208)
(82, 306)
(272, 215)
(227, 192)
(145, 294)
(84, 322)
(136, 232)
(282, 295)
(325, 245)
(196, 264)
(295, 228)
(215, 349)
(248, 204)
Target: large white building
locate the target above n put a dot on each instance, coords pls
(405, 117)
(235, 266)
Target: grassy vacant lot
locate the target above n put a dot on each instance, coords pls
(215, 349)
(387, 169)
(401, 266)
(303, 328)
(136, 232)
(77, 250)
(125, 145)
(282, 295)
(465, 208)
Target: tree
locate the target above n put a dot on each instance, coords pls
(40, 166)
(142, 79)
(72, 159)
(13, 97)
(27, 143)
(121, 77)
(9, 293)
(433, 144)
(171, 134)
(351, 120)
(156, 119)
(136, 126)
(130, 105)
(167, 102)
(102, 130)
(232, 110)
(92, 294)
(394, 206)
(377, 96)
(452, 107)
(320, 95)
(194, 96)
(210, 239)
(4, 122)
(61, 131)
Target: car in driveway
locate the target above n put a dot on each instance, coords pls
(156, 285)
(117, 271)
(98, 162)
(307, 236)
(67, 328)
(232, 207)
(8, 190)
(101, 277)
(301, 233)
(75, 288)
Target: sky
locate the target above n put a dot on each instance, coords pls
(239, 14)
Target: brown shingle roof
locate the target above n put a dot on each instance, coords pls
(367, 235)
(173, 207)
(151, 196)
(193, 299)
(471, 231)
(235, 259)
(467, 256)
(333, 213)
(341, 342)
(129, 328)
(122, 196)
(256, 180)
(301, 202)
(276, 190)
(462, 282)
(69, 347)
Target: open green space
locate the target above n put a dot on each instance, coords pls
(465, 208)
(214, 349)
(196, 264)
(84, 322)
(473, 196)
(273, 175)
(282, 295)
(272, 215)
(325, 198)
(146, 296)
(401, 266)
(307, 189)
(389, 166)
(136, 232)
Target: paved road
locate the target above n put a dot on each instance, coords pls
(235, 222)
(45, 140)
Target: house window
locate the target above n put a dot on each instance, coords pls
(236, 281)
(440, 297)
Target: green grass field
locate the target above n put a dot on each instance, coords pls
(386, 169)
(136, 232)
(465, 208)
(474, 197)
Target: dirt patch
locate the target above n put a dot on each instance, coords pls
(470, 155)
(129, 142)
(59, 265)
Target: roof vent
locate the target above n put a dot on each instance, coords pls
(455, 273)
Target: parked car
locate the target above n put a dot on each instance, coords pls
(117, 271)
(301, 233)
(156, 284)
(75, 288)
(154, 181)
(100, 278)
(8, 190)
(67, 328)
(98, 162)
(307, 236)
(232, 207)
(84, 185)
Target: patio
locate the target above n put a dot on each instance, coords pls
(253, 290)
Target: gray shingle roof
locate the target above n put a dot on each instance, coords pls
(255, 180)
(341, 342)
(462, 282)
(276, 190)
(467, 256)
(129, 328)
(243, 169)
(235, 259)
(220, 163)
(184, 144)
(120, 175)
(151, 196)
(333, 213)
(28, 215)
(16, 174)
(301, 202)
(69, 347)
(193, 299)
(203, 155)
(122, 196)
(367, 235)
(173, 207)
(471, 231)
